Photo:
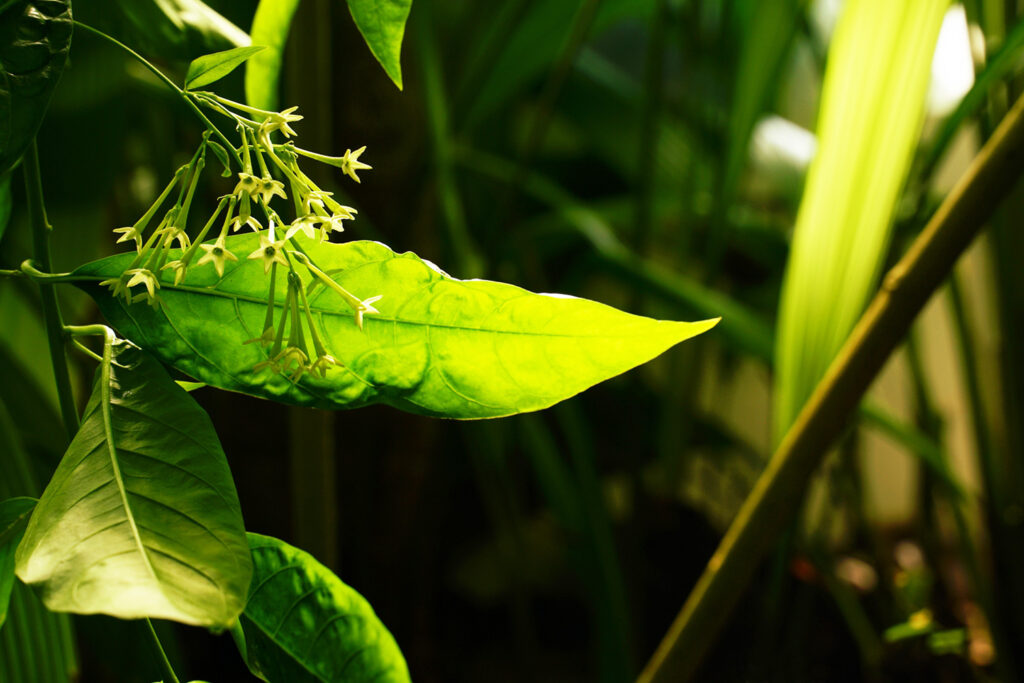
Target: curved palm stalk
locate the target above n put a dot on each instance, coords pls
(772, 503)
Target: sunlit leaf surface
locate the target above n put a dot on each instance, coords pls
(270, 28)
(141, 518)
(213, 67)
(439, 346)
(871, 112)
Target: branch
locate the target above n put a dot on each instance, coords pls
(773, 502)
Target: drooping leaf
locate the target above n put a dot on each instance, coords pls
(34, 39)
(382, 23)
(263, 72)
(14, 513)
(871, 113)
(141, 518)
(172, 29)
(302, 624)
(213, 67)
(439, 346)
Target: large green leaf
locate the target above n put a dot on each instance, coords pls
(263, 72)
(141, 518)
(440, 346)
(203, 71)
(14, 513)
(34, 39)
(382, 23)
(171, 29)
(303, 625)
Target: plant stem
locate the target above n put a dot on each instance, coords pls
(170, 84)
(51, 308)
(165, 663)
(904, 292)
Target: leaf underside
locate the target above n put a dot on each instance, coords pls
(302, 624)
(141, 518)
(440, 346)
(34, 39)
(382, 24)
(203, 71)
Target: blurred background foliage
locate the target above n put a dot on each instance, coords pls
(650, 154)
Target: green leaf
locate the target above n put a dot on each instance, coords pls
(171, 29)
(221, 154)
(873, 95)
(382, 23)
(263, 72)
(141, 518)
(34, 39)
(439, 346)
(303, 625)
(14, 514)
(209, 68)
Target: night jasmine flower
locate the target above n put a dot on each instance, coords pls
(350, 163)
(270, 188)
(269, 252)
(131, 232)
(216, 253)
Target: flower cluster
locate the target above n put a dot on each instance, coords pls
(266, 170)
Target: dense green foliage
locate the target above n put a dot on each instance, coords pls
(140, 518)
(762, 161)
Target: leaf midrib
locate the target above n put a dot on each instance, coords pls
(203, 291)
(108, 432)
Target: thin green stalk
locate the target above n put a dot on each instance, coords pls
(771, 504)
(36, 275)
(51, 308)
(164, 662)
(982, 439)
(170, 84)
